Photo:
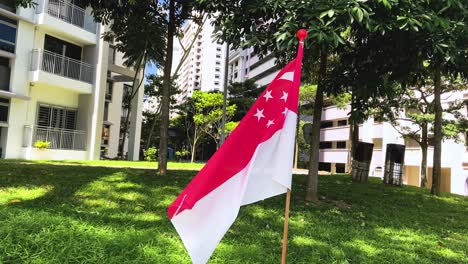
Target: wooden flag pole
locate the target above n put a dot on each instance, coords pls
(301, 35)
(286, 225)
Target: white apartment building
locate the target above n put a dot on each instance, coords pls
(245, 64)
(61, 83)
(203, 69)
(335, 145)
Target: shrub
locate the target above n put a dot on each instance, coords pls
(151, 154)
(181, 154)
(39, 144)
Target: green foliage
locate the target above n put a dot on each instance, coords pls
(243, 95)
(208, 112)
(151, 154)
(182, 154)
(70, 214)
(41, 145)
(230, 126)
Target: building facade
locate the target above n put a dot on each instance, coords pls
(245, 64)
(203, 68)
(335, 145)
(60, 82)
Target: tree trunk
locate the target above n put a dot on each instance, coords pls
(436, 169)
(165, 100)
(153, 125)
(354, 141)
(312, 183)
(194, 148)
(125, 129)
(424, 156)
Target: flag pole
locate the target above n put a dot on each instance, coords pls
(301, 35)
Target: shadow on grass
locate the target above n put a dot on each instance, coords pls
(111, 215)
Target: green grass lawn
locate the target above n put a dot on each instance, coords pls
(113, 163)
(65, 214)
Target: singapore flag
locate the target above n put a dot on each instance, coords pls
(253, 164)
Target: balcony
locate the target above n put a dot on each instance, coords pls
(64, 139)
(65, 18)
(70, 73)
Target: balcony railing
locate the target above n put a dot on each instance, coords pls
(58, 138)
(69, 13)
(64, 66)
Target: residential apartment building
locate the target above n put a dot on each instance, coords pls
(61, 83)
(335, 145)
(203, 69)
(245, 64)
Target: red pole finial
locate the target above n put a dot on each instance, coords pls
(301, 34)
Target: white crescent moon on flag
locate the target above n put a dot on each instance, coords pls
(287, 76)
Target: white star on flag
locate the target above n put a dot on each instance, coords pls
(285, 111)
(268, 95)
(285, 96)
(259, 114)
(270, 122)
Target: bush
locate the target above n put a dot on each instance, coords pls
(151, 154)
(181, 154)
(41, 144)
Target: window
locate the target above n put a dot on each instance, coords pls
(340, 168)
(218, 56)
(341, 144)
(109, 90)
(7, 34)
(4, 74)
(217, 69)
(216, 83)
(324, 166)
(218, 63)
(326, 124)
(325, 145)
(246, 71)
(112, 53)
(4, 105)
(56, 117)
(235, 75)
(218, 49)
(8, 5)
(342, 122)
(61, 47)
(106, 111)
(216, 76)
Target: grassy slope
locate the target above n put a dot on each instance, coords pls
(61, 214)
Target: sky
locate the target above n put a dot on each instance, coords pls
(151, 69)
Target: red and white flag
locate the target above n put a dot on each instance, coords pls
(254, 163)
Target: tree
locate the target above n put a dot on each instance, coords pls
(418, 105)
(441, 35)
(152, 114)
(270, 26)
(243, 95)
(203, 114)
